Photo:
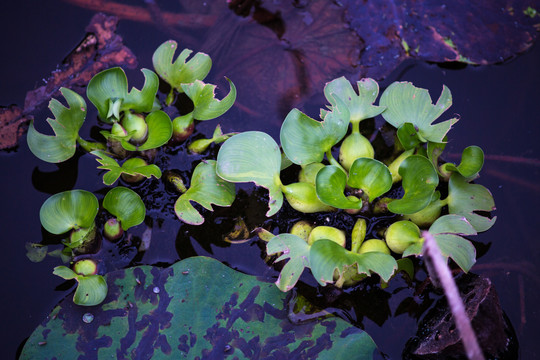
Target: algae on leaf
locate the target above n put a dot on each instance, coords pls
(196, 308)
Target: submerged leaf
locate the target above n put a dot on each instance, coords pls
(68, 210)
(406, 103)
(126, 205)
(66, 125)
(253, 156)
(305, 140)
(180, 72)
(240, 313)
(206, 189)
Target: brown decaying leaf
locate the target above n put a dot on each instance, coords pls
(101, 48)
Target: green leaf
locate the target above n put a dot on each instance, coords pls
(406, 103)
(207, 107)
(126, 205)
(206, 189)
(108, 91)
(68, 210)
(326, 256)
(305, 140)
(253, 156)
(295, 249)
(452, 224)
(408, 136)
(160, 131)
(330, 186)
(472, 160)
(467, 199)
(360, 104)
(91, 290)
(64, 272)
(180, 72)
(153, 312)
(420, 180)
(66, 125)
(370, 175)
(114, 170)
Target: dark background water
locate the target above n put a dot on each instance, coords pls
(499, 112)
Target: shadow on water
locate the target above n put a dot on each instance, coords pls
(496, 104)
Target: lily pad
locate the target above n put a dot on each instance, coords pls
(196, 308)
(360, 104)
(406, 103)
(253, 156)
(66, 125)
(126, 205)
(206, 189)
(68, 210)
(305, 140)
(467, 199)
(420, 179)
(180, 72)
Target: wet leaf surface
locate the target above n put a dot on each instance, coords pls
(197, 309)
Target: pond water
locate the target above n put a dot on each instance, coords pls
(498, 108)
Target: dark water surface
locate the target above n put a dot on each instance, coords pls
(498, 106)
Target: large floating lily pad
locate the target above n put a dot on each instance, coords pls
(196, 309)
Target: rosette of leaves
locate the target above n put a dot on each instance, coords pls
(206, 189)
(108, 91)
(131, 168)
(329, 262)
(170, 299)
(66, 126)
(411, 111)
(254, 156)
(91, 288)
(126, 205)
(404, 237)
(74, 211)
(360, 106)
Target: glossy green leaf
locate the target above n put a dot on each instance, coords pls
(68, 210)
(326, 257)
(295, 249)
(206, 189)
(406, 103)
(114, 170)
(420, 179)
(206, 105)
(160, 131)
(108, 91)
(408, 136)
(472, 160)
(126, 205)
(64, 272)
(360, 104)
(196, 308)
(305, 140)
(303, 197)
(91, 290)
(180, 72)
(370, 175)
(434, 151)
(452, 224)
(253, 156)
(467, 199)
(66, 125)
(330, 186)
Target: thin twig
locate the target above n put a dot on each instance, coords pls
(438, 265)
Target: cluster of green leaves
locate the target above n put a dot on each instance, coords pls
(133, 123)
(358, 181)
